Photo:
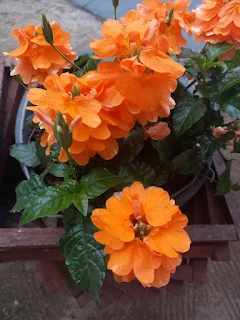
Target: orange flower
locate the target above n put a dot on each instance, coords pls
(36, 59)
(218, 21)
(91, 134)
(142, 230)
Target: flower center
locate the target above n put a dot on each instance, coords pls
(141, 230)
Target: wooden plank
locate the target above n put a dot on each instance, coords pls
(214, 208)
(199, 270)
(211, 233)
(30, 254)
(232, 198)
(221, 252)
(44, 238)
(183, 273)
(199, 251)
(175, 287)
(47, 238)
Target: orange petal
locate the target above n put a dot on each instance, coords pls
(127, 278)
(145, 262)
(159, 131)
(158, 208)
(111, 149)
(160, 62)
(96, 218)
(161, 278)
(169, 242)
(101, 132)
(171, 263)
(121, 262)
(178, 221)
(105, 238)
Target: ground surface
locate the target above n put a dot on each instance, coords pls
(24, 294)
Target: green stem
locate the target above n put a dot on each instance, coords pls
(115, 13)
(23, 85)
(63, 56)
(70, 160)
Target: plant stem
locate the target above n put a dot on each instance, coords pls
(115, 12)
(63, 56)
(70, 160)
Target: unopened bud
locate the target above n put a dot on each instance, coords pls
(170, 17)
(47, 30)
(198, 145)
(75, 92)
(75, 123)
(62, 132)
(115, 3)
(59, 129)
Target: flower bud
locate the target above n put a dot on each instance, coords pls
(62, 132)
(44, 118)
(47, 30)
(115, 3)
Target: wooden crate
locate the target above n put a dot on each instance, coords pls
(213, 223)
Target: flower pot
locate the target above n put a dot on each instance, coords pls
(181, 197)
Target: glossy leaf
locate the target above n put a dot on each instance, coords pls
(189, 161)
(25, 154)
(234, 62)
(211, 64)
(48, 201)
(229, 82)
(60, 170)
(213, 51)
(84, 256)
(233, 111)
(80, 201)
(98, 181)
(224, 184)
(186, 113)
(141, 172)
(25, 191)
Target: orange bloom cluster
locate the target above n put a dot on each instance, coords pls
(143, 29)
(218, 21)
(91, 132)
(36, 59)
(142, 230)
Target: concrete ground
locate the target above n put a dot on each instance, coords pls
(24, 295)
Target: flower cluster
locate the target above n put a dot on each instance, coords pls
(36, 58)
(142, 230)
(218, 21)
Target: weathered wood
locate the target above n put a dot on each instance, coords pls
(232, 198)
(221, 252)
(212, 233)
(175, 287)
(199, 270)
(184, 273)
(199, 251)
(214, 208)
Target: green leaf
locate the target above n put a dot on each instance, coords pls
(188, 53)
(231, 80)
(186, 113)
(213, 51)
(80, 201)
(98, 181)
(141, 172)
(206, 66)
(224, 184)
(231, 110)
(164, 148)
(60, 170)
(81, 60)
(84, 256)
(237, 148)
(48, 201)
(25, 154)
(234, 62)
(25, 191)
(55, 150)
(189, 161)
(235, 187)
(130, 147)
(161, 177)
(91, 65)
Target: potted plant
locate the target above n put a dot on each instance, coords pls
(118, 137)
